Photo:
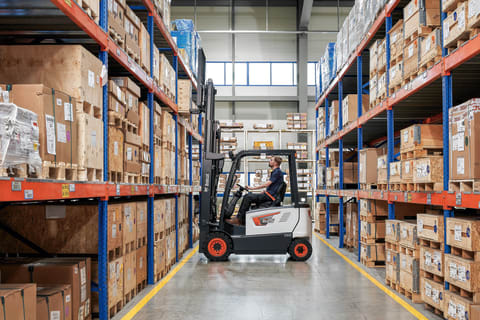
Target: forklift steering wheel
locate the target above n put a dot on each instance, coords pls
(242, 188)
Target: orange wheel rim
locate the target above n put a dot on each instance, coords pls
(217, 247)
(301, 250)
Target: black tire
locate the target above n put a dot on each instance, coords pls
(218, 247)
(300, 250)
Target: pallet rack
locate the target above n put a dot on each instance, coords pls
(425, 91)
(29, 190)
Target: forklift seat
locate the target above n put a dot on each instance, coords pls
(278, 198)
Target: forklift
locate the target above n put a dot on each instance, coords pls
(271, 228)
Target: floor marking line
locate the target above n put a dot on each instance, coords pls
(158, 287)
(387, 291)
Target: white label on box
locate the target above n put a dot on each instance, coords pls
(458, 232)
(389, 259)
(61, 133)
(410, 50)
(428, 259)
(405, 136)
(473, 8)
(83, 276)
(437, 258)
(428, 44)
(388, 228)
(404, 233)
(453, 270)
(460, 125)
(119, 93)
(91, 79)
(458, 142)
(93, 138)
(141, 262)
(462, 273)
(6, 96)
(68, 110)
(461, 312)
(83, 293)
(129, 154)
(407, 167)
(114, 230)
(67, 298)
(446, 30)
(87, 307)
(460, 165)
(435, 295)
(404, 262)
(296, 117)
(428, 289)
(80, 313)
(59, 102)
(130, 101)
(452, 309)
(461, 18)
(419, 225)
(410, 10)
(115, 148)
(54, 315)
(50, 132)
(422, 170)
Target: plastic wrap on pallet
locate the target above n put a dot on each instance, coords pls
(345, 42)
(19, 137)
(327, 63)
(318, 80)
(353, 29)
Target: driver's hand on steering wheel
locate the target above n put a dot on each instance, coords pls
(247, 187)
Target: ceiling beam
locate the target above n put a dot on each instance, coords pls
(305, 14)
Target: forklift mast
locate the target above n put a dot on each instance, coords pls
(212, 161)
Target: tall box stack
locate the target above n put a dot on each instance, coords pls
(76, 72)
(228, 144)
(397, 44)
(144, 128)
(167, 169)
(132, 139)
(144, 41)
(132, 38)
(430, 232)
(57, 131)
(184, 96)
(372, 232)
(320, 218)
(409, 284)
(116, 16)
(392, 253)
(333, 117)
(462, 268)
(464, 126)
(116, 137)
(350, 107)
(351, 225)
(367, 172)
(421, 147)
(167, 77)
(373, 50)
(296, 121)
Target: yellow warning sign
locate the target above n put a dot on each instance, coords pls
(65, 191)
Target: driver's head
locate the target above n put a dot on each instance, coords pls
(275, 162)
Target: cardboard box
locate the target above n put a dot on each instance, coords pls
(407, 170)
(54, 302)
(115, 284)
(56, 120)
(115, 152)
(420, 13)
(116, 100)
(430, 227)
(411, 59)
(432, 260)
(431, 48)
(464, 233)
(367, 171)
(167, 76)
(457, 307)
(63, 271)
(382, 167)
(129, 226)
(131, 91)
(141, 220)
(397, 42)
(396, 75)
(373, 56)
(132, 27)
(462, 273)
(131, 159)
(116, 15)
(144, 127)
(141, 268)
(372, 252)
(372, 230)
(429, 170)
(144, 41)
(464, 127)
(350, 107)
(129, 275)
(18, 301)
(455, 26)
(90, 146)
(68, 68)
(184, 96)
(408, 234)
(333, 116)
(392, 230)
(395, 172)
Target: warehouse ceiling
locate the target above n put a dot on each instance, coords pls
(258, 3)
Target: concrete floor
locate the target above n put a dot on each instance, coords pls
(271, 287)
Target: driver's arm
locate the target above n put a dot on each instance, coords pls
(265, 185)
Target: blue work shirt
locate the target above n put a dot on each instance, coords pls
(276, 177)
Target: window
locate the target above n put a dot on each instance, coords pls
(311, 74)
(259, 74)
(228, 74)
(282, 74)
(216, 72)
(241, 73)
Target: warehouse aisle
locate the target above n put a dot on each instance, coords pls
(270, 287)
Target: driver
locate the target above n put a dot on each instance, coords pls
(276, 179)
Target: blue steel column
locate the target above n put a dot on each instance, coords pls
(103, 202)
(317, 197)
(359, 138)
(390, 126)
(341, 231)
(200, 132)
(175, 117)
(327, 164)
(447, 102)
(151, 207)
(190, 195)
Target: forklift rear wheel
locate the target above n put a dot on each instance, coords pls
(219, 247)
(300, 250)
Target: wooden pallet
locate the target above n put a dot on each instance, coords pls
(371, 240)
(129, 126)
(393, 246)
(157, 140)
(159, 276)
(426, 64)
(141, 242)
(127, 297)
(370, 217)
(415, 297)
(115, 253)
(368, 186)
(129, 247)
(465, 254)
(412, 252)
(396, 59)
(115, 119)
(465, 186)
(394, 88)
(91, 12)
(432, 276)
(131, 177)
(430, 244)
(420, 153)
(433, 309)
(372, 263)
(144, 179)
(116, 309)
(116, 177)
(474, 297)
(89, 174)
(382, 186)
(116, 37)
(392, 284)
(408, 40)
(90, 109)
(430, 186)
(132, 54)
(58, 171)
(141, 285)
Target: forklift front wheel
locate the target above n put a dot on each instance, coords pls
(300, 250)
(219, 247)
